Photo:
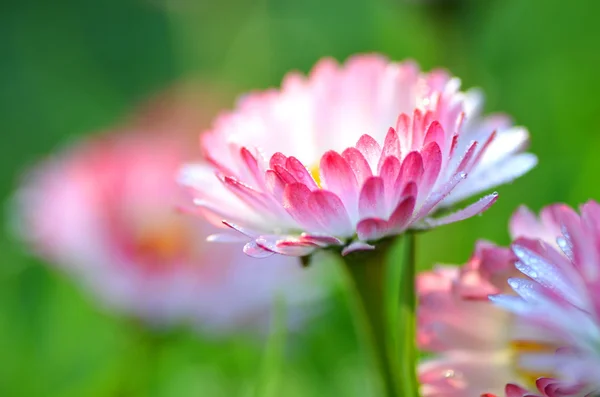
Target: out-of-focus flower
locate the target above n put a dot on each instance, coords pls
(105, 211)
(560, 297)
(478, 347)
(352, 154)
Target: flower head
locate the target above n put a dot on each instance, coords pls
(560, 297)
(350, 155)
(479, 348)
(104, 211)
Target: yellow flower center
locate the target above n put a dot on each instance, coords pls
(521, 347)
(314, 172)
(163, 241)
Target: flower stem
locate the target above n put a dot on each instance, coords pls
(385, 302)
(405, 321)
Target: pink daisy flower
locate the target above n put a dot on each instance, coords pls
(479, 348)
(104, 212)
(560, 297)
(352, 154)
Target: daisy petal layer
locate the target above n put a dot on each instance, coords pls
(355, 152)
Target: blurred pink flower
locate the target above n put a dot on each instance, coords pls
(104, 211)
(352, 154)
(560, 297)
(478, 347)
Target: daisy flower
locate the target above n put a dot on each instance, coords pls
(558, 294)
(351, 154)
(104, 212)
(477, 347)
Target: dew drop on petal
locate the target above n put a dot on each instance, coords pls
(449, 373)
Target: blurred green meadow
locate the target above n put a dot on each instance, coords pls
(70, 68)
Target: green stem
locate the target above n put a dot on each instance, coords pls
(406, 319)
(385, 306)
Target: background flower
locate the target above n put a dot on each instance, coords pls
(105, 211)
(478, 347)
(560, 298)
(351, 154)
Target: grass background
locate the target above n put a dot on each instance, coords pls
(75, 66)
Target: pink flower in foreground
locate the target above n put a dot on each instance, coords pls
(560, 297)
(105, 212)
(478, 347)
(350, 155)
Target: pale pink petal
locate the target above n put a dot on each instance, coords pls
(418, 130)
(501, 173)
(370, 203)
(389, 170)
(358, 163)
(295, 201)
(240, 229)
(289, 246)
(410, 189)
(338, 177)
(274, 184)
(402, 214)
(556, 388)
(371, 229)
(465, 163)
(453, 146)
(250, 196)
(251, 165)
(485, 146)
(284, 174)
(293, 249)
(277, 159)
(513, 390)
(435, 133)
(370, 149)
(412, 168)
(584, 249)
(256, 251)
(410, 173)
(404, 133)
(391, 147)
(524, 223)
(440, 194)
(329, 210)
(503, 144)
(299, 171)
(476, 208)
(432, 164)
(357, 246)
(389, 174)
(321, 239)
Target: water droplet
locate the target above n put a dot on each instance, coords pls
(449, 374)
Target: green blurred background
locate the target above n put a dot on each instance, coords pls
(74, 66)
